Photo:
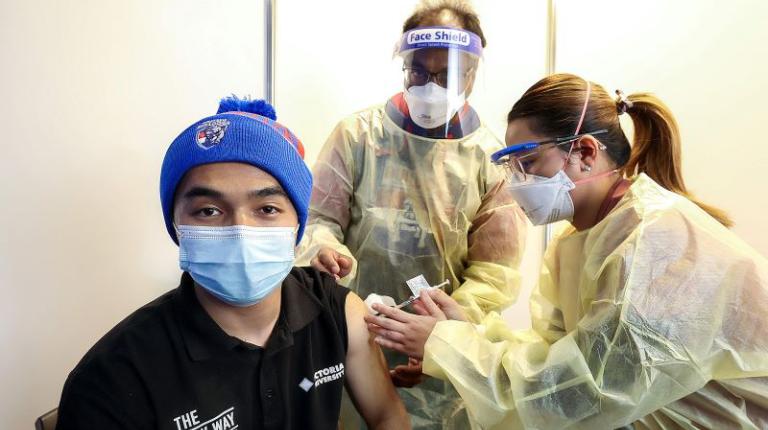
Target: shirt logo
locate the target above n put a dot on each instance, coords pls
(210, 133)
(190, 421)
(322, 376)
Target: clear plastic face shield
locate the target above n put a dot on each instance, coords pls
(439, 69)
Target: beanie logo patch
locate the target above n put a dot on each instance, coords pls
(210, 133)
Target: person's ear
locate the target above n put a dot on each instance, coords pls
(586, 150)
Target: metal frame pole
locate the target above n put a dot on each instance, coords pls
(270, 13)
(549, 64)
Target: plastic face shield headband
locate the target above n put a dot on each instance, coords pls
(442, 55)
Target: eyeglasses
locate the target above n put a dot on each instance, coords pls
(417, 76)
(518, 159)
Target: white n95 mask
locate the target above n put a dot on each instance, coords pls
(239, 265)
(545, 200)
(430, 106)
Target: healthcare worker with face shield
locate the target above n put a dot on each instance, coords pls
(408, 188)
(649, 311)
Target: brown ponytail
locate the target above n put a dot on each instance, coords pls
(656, 149)
(553, 105)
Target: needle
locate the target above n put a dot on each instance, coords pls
(414, 298)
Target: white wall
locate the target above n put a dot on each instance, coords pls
(92, 94)
(708, 60)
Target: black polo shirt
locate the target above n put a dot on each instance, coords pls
(170, 366)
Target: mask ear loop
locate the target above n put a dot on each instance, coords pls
(581, 121)
(578, 128)
(584, 109)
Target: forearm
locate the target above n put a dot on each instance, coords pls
(487, 287)
(398, 420)
(331, 203)
(471, 362)
(496, 243)
(512, 377)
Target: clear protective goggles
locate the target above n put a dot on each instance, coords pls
(520, 159)
(445, 56)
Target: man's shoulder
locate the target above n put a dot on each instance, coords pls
(486, 140)
(366, 114)
(135, 335)
(362, 120)
(313, 299)
(318, 285)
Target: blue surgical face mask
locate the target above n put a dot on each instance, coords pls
(239, 265)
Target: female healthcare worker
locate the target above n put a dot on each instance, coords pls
(408, 188)
(648, 311)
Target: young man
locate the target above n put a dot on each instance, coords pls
(246, 340)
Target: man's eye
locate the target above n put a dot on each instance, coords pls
(270, 210)
(208, 212)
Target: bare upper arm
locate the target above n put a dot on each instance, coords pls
(367, 375)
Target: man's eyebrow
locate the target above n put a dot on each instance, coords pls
(202, 192)
(266, 192)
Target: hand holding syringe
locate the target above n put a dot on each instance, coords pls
(407, 332)
(416, 297)
(410, 299)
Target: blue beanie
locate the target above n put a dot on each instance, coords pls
(242, 131)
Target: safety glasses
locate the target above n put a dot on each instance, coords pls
(417, 76)
(518, 159)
